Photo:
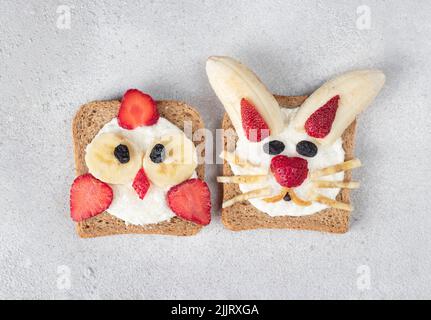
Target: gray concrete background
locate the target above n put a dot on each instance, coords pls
(161, 46)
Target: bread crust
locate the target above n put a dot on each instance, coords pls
(87, 122)
(243, 216)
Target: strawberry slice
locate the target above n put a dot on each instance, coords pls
(191, 200)
(141, 184)
(289, 171)
(89, 197)
(137, 109)
(254, 125)
(319, 124)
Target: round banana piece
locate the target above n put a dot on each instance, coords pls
(113, 159)
(170, 160)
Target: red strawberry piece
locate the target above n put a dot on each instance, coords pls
(137, 109)
(89, 197)
(141, 184)
(191, 200)
(289, 172)
(254, 125)
(319, 124)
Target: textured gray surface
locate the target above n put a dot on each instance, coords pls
(161, 47)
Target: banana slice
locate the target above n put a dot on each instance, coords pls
(170, 160)
(113, 159)
(233, 81)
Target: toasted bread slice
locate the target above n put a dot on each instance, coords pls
(89, 119)
(243, 216)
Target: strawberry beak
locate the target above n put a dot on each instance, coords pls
(289, 172)
(141, 183)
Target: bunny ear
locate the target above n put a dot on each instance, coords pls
(333, 107)
(234, 83)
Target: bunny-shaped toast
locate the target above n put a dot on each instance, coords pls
(289, 163)
(138, 171)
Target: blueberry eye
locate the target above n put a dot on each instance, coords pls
(121, 152)
(306, 148)
(157, 154)
(273, 147)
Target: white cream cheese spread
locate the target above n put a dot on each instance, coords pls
(126, 205)
(253, 152)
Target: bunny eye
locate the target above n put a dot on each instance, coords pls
(306, 148)
(273, 147)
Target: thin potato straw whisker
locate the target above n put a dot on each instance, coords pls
(336, 184)
(245, 179)
(332, 203)
(297, 200)
(277, 197)
(259, 193)
(347, 165)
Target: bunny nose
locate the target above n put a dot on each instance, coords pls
(289, 171)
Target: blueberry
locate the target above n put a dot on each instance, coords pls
(306, 148)
(273, 147)
(287, 197)
(157, 155)
(121, 152)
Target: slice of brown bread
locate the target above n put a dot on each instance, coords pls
(89, 119)
(243, 216)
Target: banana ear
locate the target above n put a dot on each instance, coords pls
(232, 82)
(333, 107)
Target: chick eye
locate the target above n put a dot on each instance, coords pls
(170, 160)
(273, 147)
(113, 159)
(306, 148)
(121, 152)
(157, 154)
